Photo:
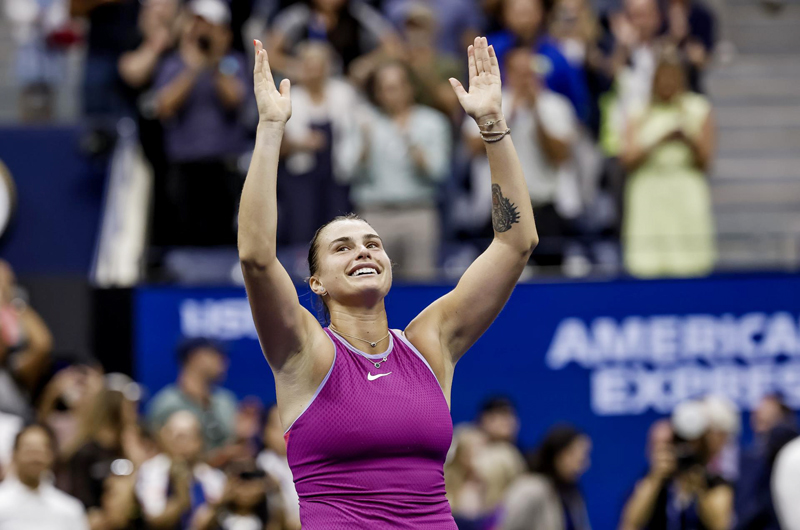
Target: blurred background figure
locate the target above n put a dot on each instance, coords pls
(173, 485)
(431, 68)
(466, 487)
(786, 485)
(356, 31)
(458, 21)
(524, 27)
(724, 428)
(112, 31)
(402, 157)
(499, 421)
(679, 491)
(25, 347)
(773, 424)
(200, 94)
(693, 29)
(668, 228)
(546, 129)
(158, 33)
(324, 121)
(42, 33)
(107, 443)
(273, 461)
(203, 366)
(243, 504)
(27, 497)
(549, 495)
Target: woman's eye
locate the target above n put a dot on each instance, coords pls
(341, 249)
(372, 245)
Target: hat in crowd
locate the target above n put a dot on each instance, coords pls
(214, 11)
(188, 346)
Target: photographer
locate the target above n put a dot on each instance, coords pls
(679, 492)
(200, 91)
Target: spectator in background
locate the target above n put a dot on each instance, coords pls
(545, 129)
(431, 69)
(773, 425)
(356, 31)
(109, 435)
(402, 156)
(550, 494)
(112, 32)
(173, 485)
(25, 347)
(203, 366)
(274, 462)
(632, 64)
(158, 34)
(724, 427)
(466, 487)
(576, 31)
(678, 491)
(10, 425)
(243, 504)
(692, 28)
(324, 120)
(27, 499)
(523, 22)
(458, 21)
(786, 485)
(41, 32)
(200, 92)
(499, 421)
(668, 150)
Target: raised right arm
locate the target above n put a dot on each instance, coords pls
(284, 326)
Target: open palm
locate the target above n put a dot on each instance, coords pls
(274, 106)
(484, 98)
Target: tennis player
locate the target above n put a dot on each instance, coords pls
(366, 407)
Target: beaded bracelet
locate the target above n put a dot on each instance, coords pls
(491, 122)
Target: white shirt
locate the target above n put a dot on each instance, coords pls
(45, 508)
(152, 483)
(543, 178)
(277, 467)
(786, 485)
(339, 108)
(10, 425)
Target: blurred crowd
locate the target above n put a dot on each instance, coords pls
(605, 103)
(84, 449)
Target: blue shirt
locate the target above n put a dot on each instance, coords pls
(559, 75)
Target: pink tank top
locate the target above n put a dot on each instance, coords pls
(369, 449)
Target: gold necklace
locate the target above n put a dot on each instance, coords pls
(373, 344)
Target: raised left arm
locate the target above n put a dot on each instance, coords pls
(445, 330)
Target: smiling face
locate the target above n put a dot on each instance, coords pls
(353, 268)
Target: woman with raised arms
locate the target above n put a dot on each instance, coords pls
(366, 407)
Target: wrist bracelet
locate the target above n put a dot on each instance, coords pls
(495, 136)
(491, 122)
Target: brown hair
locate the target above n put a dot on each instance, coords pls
(313, 259)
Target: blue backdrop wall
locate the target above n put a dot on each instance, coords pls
(610, 357)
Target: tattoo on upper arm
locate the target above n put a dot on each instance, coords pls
(504, 212)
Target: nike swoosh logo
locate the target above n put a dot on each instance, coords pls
(371, 377)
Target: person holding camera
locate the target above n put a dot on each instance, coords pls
(200, 92)
(678, 492)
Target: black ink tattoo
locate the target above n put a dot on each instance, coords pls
(504, 212)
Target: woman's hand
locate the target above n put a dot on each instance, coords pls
(484, 99)
(274, 107)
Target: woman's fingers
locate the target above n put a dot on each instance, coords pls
(458, 88)
(473, 70)
(478, 54)
(286, 88)
(495, 65)
(265, 66)
(257, 68)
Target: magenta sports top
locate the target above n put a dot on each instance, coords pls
(369, 449)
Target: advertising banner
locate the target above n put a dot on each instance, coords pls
(610, 357)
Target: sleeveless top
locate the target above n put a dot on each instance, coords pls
(369, 449)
